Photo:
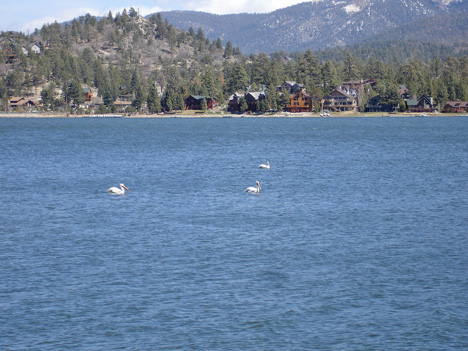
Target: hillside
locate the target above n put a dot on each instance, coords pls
(121, 58)
(329, 23)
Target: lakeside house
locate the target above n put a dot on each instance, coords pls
(422, 104)
(403, 92)
(375, 105)
(290, 86)
(340, 100)
(235, 102)
(122, 105)
(18, 103)
(88, 94)
(300, 102)
(194, 102)
(456, 107)
(253, 100)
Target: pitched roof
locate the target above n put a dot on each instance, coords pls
(256, 94)
(457, 104)
(236, 96)
(200, 97)
(21, 101)
(339, 91)
(301, 92)
(16, 99)
(291, 83)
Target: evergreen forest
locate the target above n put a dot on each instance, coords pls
(155, 66)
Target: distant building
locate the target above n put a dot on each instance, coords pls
(122, 105)
(374, 105)
(36, 49)
(22, 103)
(456, 107)
(300, 102)
(423, 104)
(290, 86)
(194, 102)
(88, 93)
(234, 102)
(403, 91)
(357, 84)
(340, 100)
(253, 99)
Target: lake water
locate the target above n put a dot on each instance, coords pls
(357, 241)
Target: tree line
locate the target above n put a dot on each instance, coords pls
(72, 56)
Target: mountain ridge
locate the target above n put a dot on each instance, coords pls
(318, 25)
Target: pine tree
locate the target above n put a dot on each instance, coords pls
(309, 69)
(219, 44)
(152, 101)
(200, 34)
(284, 100)
(238, 79)
(243, 105)
(107, 98)
(75, 93)
(228, 51)
(179, 102)
(263, 105)
(139, 98)
(209, 82)
(350, 69)
(168, 100)
(191, 32)
(329, 76)
(203, 104)
(48, 95)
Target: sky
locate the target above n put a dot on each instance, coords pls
(30, 14)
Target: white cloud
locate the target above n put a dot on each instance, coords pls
(62, 16)
(70, 14)
(144, 11)
(37, 23)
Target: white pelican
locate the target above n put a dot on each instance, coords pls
(254, 189)
(267, 166)
(118, 191)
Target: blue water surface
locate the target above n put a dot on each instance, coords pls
(357, 241)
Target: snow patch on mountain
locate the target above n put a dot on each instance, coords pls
(352, 8)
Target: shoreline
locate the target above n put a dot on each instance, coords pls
(227, 115)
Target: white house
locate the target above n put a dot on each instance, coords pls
(36, 49)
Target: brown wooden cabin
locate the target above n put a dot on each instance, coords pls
(300, 102)
(193, 102)
(456, 107)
